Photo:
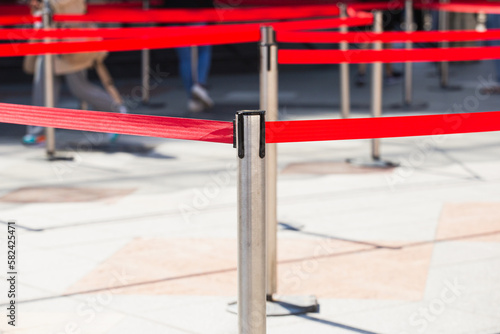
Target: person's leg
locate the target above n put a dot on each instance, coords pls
(38, 99)
(94, 95)
(184, 55)
(199, 91)
(204, 62)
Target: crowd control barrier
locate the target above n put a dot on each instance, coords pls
(252, 135)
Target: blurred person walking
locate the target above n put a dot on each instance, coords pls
(71, 67)
(194, 62)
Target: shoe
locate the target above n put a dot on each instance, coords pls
(33, 139)
(113, 137)
(195, 105)
(122, 109)
(201, 94)
(360, 80)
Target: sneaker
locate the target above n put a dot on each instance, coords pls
(201, 94)
(122, 109)
(195, 105)
(33, 139)
(113, 137)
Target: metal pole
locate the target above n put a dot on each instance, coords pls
(443, 25)
(377, 82)
(48, 78)
(408, 90)
(344, 69)
(145, 65)
(269, 103)
(250, 142)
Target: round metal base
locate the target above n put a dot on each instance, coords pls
(285, 305)
(373, 163)
(58, 157)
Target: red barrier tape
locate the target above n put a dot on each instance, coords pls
(139, 125)
(152, 38)
(27, 34)
(200, 15)
(304, 57)
(276, 132)
(381, 127)
(204, 37)
(126, 15)
(11, 20)
(491, 8)
(388, 37)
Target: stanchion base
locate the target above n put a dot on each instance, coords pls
(153, 105)
(285, 305)
(373, 163)
(410, 107)
(58, 157)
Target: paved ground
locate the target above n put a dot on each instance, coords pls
(141, 236)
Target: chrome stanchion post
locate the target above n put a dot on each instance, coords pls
(443, 25)
(250, 143)
(376, 101)
(269, 103)
(408, 88)
(377, 82)
(48, 78)
(276, 305)
(145, 65)
(344, 69)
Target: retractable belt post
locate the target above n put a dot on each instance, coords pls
(376, 101)
(48, 78)
(377, 82)
(443, 25)
(145, 65)
(276, 305)
(269, 102)
(251, 146)
(344, 69)
(408, 88)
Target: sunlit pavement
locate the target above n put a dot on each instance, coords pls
(140, 236)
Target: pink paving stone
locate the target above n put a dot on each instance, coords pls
(469, 221)
(63, 194)
(328, 268)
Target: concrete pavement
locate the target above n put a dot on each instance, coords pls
(141, 236)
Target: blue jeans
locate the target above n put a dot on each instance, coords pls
(493, 22)
(203, 66)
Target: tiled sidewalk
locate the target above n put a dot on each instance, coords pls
(142, 237)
